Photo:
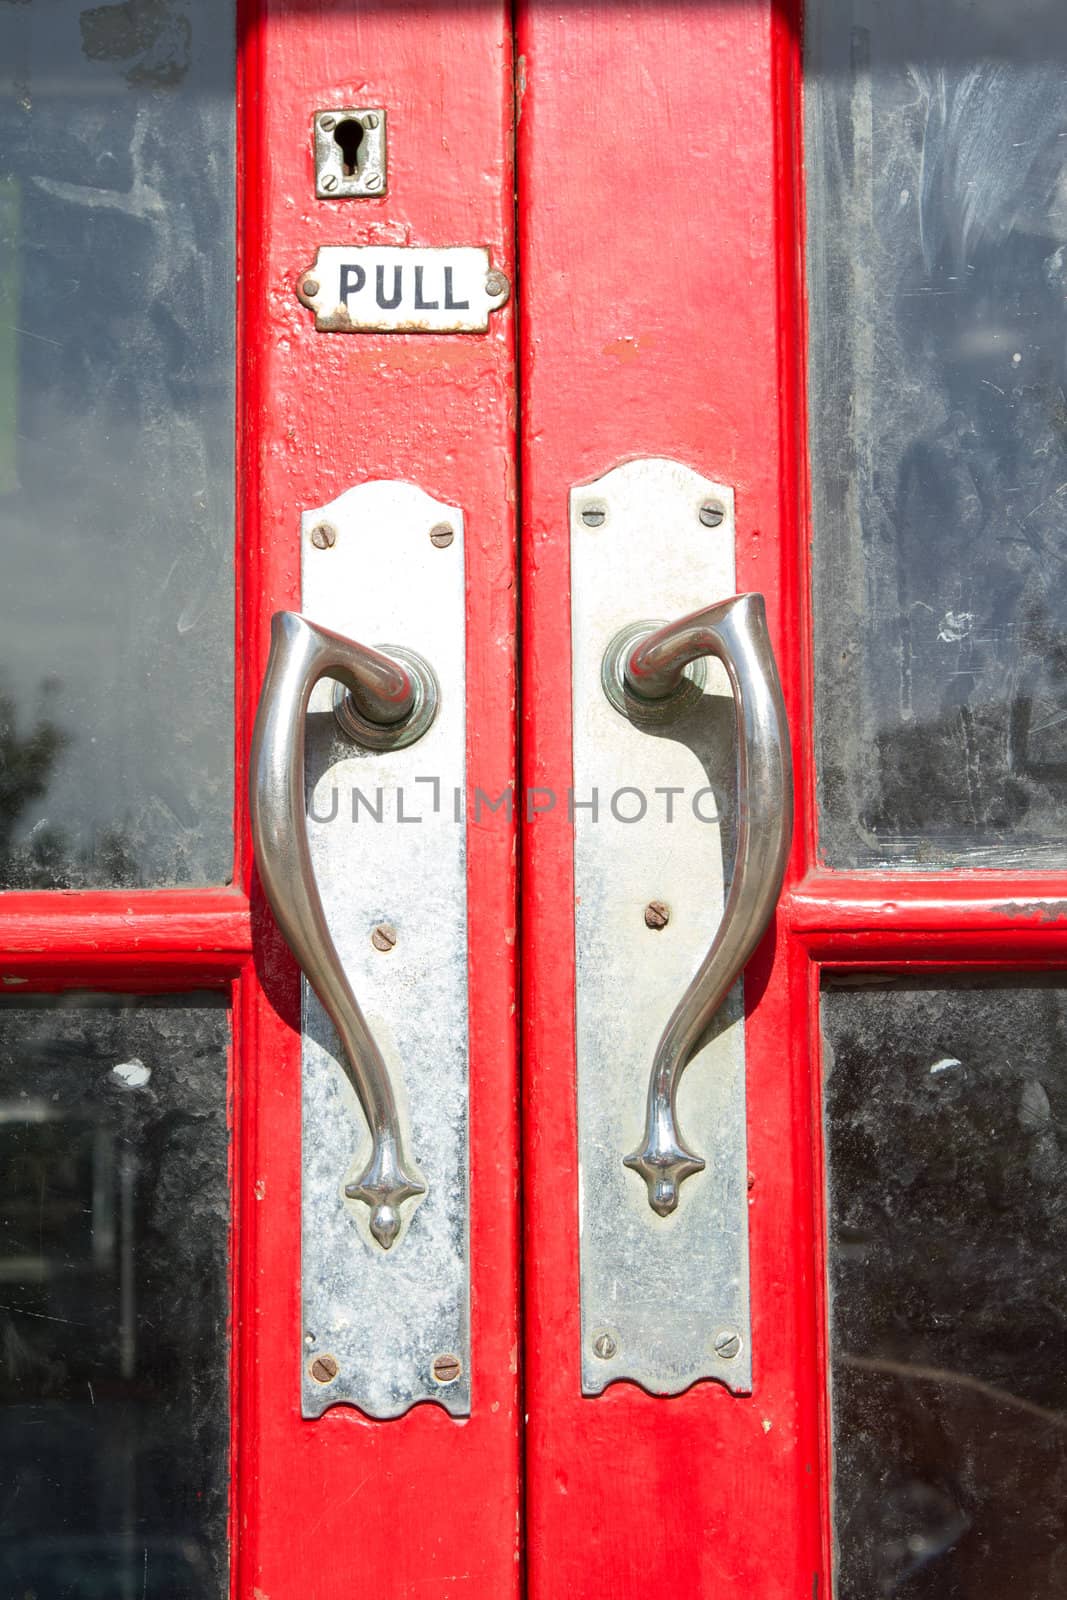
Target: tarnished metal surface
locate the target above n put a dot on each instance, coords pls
(664, 1298)
(398, 289)
(385, 1318)
(350, 153)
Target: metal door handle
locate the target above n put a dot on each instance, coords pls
(653, 669)
(388, 703)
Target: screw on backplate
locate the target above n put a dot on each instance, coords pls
(495, 284)
(712, 513)
(384, 936)
(327, 124)
(605, 1346)
(446, 1368)
(657, 914)
(323, 536)
(330, 182)
(594, 514)
(370, 120)
(373, 181)
(442, 535)
(311, 287)
(727, 1343)
(324, 1369)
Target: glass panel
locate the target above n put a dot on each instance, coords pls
(114, 1364)
(946, 1115)
(116, 442)
(937, 259)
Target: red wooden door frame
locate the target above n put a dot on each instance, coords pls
(710, 1494)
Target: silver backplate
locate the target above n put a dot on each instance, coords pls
(665, 1300)
(372, 572)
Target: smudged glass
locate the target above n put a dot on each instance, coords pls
(946, 1143)
(116, 443)
(114, 1358)
(936, 158)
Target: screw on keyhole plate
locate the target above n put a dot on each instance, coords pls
(323, 536)
(383, 936)
(712, 513)
(441, 535)
(594, 514)
(324, 1369)
(657, 914)
(605, 1346)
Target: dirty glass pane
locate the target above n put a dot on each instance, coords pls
(114, 1379)
(946, 1140)
(937, 272)
(116, 442)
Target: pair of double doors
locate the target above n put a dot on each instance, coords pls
(478, 339)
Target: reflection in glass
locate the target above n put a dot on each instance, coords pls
(946, 1141)
(114, 1366)
(116, 442)
(937, 268)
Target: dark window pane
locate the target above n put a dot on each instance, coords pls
(114, 1365)
(937, 258)
(116, 442)
(946, 1133)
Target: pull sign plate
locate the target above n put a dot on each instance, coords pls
(664, 1299)
(389, 851)
(390, 289)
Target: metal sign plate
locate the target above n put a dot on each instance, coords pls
(664, 1299)
(384, 564)
(391, 289)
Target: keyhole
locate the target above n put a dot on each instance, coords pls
(349, 135)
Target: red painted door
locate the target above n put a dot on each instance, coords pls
(679, 302)
(777, 246)
(752, 313)
(163, 186)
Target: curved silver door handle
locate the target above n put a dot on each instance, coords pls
(396, 700)
(736, 632)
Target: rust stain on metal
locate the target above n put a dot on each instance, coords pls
(1037, 910)
(446, 1368)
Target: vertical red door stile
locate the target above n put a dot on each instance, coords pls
(659, 317)
(423, 1504)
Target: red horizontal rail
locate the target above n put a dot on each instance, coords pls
(967, 917)
(920, 902)
(176, 926)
